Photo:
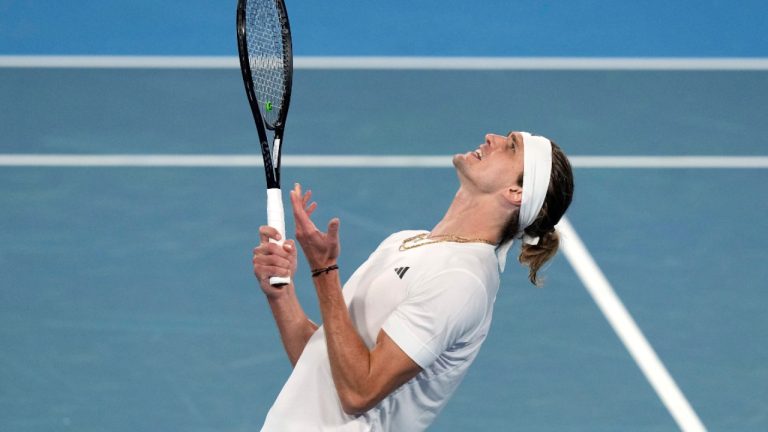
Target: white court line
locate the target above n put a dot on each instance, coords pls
(395, 63)
(309, 161)
(120, 62)
(669, 161)
(625, 327)
(360, 161)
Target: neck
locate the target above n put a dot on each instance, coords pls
(473, 216)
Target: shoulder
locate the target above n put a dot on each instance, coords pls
(457, 286)
(463, 262)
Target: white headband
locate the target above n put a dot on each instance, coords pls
(537, 167)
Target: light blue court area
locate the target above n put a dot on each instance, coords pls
(126, 296)
(137, 111)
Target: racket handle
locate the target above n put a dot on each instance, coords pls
(276, 219)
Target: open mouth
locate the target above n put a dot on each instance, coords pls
(478, 154)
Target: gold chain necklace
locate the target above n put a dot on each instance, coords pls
(418, 240)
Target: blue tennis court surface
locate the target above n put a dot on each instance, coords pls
(127, 301)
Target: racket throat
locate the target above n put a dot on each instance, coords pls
(276, 155)
(276, 159)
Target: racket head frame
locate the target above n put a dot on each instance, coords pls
(271, 161)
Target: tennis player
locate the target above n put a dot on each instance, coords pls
(398, 339)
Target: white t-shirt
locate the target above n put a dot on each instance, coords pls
(435, 302)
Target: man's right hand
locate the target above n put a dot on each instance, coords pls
(271, 259)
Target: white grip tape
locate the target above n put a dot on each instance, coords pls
(276, 219)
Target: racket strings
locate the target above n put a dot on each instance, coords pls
(266, 54)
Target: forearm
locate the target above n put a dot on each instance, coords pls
(349, 357)
(293, 324)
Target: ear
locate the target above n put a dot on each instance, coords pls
(514, 195)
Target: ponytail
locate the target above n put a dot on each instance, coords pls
(559, 196)
(535, 256)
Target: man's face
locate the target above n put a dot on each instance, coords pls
(495, 165)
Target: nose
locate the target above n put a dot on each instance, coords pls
(492, 139)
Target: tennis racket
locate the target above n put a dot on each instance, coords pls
(266, 61)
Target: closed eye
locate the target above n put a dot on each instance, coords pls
(512, 141)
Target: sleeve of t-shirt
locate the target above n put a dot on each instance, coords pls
(436, 314)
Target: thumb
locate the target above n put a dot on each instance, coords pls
(333, 228)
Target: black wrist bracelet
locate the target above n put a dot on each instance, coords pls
(318, 272)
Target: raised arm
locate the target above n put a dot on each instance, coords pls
(270, 259)
(362, 376)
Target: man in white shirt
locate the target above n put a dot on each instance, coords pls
(398, 339)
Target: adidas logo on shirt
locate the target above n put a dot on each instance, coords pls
(401, 271)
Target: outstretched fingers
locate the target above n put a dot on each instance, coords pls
(308, 207)
(301, 213)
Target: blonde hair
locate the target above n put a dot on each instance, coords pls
(559, 196)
